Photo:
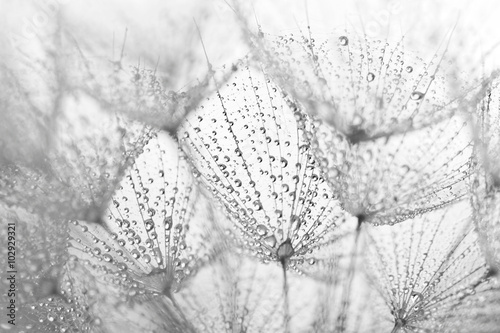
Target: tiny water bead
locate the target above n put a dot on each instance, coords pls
(370, 77)
(343, 40)
(486, 182)
(416, 95)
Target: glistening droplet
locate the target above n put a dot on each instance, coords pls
(416, 95)
(343, 40)
(270, 241)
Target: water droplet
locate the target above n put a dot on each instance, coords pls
(343, 40)
(168, 222)
(122, 266)
(262, 230)
(270, 241)
(135, 254)
(370, 77)
(416, 95)
(409, 69)
(149, 225)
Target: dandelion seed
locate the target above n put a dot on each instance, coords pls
(426, 267)
(360, 85)
(141, 95)
(392, 179)
(88, 153)
(309, 153)
(343, 40)
(250, 146)
(156, 89)
(253, 153)
(48, 297)
(144, 234)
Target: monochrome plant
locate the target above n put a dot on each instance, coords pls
(305, 181)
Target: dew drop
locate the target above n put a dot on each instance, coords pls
(168, 223)
(135, 254)
(416, 95)
(343, 40)
(370, 77)
(122, 266)
(262, 230)
(409, 69)
(149, 225)
(270, 241)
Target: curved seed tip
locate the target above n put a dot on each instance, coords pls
(361, 218)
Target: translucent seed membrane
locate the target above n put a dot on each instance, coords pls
(251, 148)
(143, 238)
(365, 88)
(392, 179)
(486, 185)
(427, 267)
